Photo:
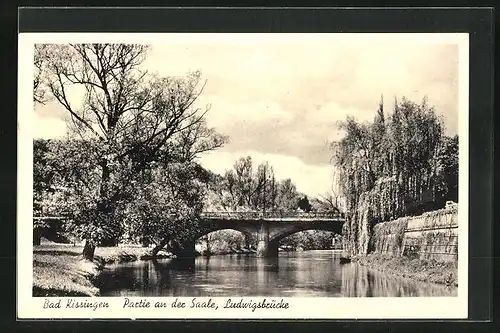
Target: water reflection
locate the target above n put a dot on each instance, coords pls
(360, 281)
(309, 273)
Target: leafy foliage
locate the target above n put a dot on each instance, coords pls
(244, 188)
(394, 166)
(310, 240)
(131, 124)
(166, 204)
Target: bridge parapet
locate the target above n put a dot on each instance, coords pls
(272, 215)
(252, 215)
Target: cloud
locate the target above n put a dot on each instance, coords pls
(226, 114)
(48, 127)
(287, 98)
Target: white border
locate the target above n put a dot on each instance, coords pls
(334, 308)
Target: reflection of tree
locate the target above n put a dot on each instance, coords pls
(207, 265)
(360, 281)
(183, 264)
(145, 277)
(272, 264)
(162, 275)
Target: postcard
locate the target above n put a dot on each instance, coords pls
(256, 175)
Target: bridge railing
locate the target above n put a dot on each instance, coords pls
(238, 215)
(269, 215)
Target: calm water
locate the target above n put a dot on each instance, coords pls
(304, 274)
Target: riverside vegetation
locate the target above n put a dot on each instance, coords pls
(399, 165)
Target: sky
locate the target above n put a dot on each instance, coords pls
(281, 101)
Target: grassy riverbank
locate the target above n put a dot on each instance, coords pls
(59, 270)
(422, 270)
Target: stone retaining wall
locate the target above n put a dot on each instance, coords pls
(433, 235)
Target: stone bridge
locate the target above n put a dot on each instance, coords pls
(270, 228)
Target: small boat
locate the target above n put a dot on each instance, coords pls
(344, 260)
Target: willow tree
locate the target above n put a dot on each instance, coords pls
(389, 168)
(128, 118)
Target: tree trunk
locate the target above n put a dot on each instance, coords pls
(247, 241)
(88, 250)
(36, 237)
(105, 202)
(145, 242)
(208, 244)
(157, 248)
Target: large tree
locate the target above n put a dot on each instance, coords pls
(128, 119)
(166, 205)
(39, 62)
(396, 165)
(245, 188)
(43, 176)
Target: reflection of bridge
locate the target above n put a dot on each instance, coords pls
(270, 227)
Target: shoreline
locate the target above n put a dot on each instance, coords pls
(430, 271)
(60, 271)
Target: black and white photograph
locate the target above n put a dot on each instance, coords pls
(224, 172)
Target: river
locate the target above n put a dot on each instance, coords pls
(302, 274)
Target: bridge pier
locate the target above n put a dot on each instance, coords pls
(262, 239)
(265, 248)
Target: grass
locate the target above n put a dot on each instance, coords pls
(60, 270)
(422, 270)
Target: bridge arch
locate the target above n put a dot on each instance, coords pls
(280, 233)
(245, 230)
(223, 241)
